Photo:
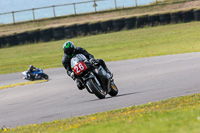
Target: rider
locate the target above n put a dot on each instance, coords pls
(69, 51)
(30, 71)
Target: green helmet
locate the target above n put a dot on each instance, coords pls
(68, 48)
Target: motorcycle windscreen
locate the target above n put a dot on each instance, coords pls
(76, 59)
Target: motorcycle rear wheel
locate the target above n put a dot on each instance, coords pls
(114, 89)
(31, 77)
(96, 89)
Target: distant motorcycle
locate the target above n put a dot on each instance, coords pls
(93, 76)
(38, 75)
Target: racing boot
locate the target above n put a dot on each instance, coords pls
(79, 85)
(32, 77)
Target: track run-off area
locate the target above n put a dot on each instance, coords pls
(139, 81)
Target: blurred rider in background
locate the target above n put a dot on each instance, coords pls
(69, 51)
(30, 71)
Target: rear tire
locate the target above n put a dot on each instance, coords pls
(45, 76)
(114, 89)
(97, 90)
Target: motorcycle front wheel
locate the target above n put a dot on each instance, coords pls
(114, 89)
(96, 89)
(45, 76)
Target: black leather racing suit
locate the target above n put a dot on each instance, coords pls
(78, 50)
(30, 72)
(66, 58)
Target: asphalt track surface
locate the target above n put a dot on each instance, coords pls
(139, 81)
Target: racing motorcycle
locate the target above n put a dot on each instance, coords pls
(93, 77)
(38, 75)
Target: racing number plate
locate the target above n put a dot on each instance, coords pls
(79, 68)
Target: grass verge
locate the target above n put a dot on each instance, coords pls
(128, 44)
(20, 84)
(173, 115)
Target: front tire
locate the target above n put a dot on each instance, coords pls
(114, 89)
(96, 89)
(45, 76)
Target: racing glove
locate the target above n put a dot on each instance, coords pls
(92, 60)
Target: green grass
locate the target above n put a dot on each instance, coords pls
(179, 115)
(127, 44)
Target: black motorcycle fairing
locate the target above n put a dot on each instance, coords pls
(103, 78)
